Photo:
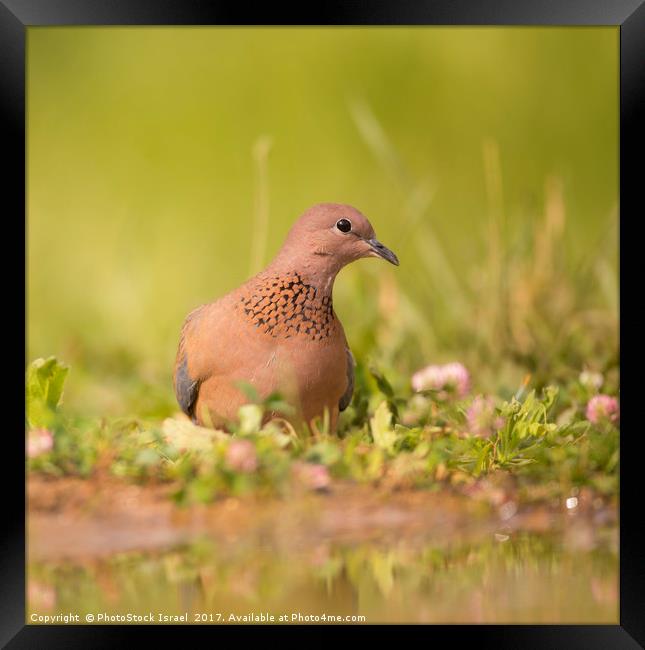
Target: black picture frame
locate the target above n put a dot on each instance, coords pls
(628, 15)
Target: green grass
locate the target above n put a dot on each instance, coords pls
(166, 165)
(540, 440)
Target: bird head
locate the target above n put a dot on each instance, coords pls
(332, 235)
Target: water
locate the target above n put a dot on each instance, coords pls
(409, 559)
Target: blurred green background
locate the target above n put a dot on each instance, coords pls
(486, 158)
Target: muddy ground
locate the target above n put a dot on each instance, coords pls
(76, 518)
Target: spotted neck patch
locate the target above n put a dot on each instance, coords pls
(284, 306)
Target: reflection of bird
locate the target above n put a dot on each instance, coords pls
(278, 331)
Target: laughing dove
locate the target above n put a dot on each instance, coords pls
(278, 331)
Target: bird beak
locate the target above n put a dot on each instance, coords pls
(382, 251)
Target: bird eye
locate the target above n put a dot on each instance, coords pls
(344, 225)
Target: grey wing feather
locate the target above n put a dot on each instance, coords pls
(186, 388)
(349, 391)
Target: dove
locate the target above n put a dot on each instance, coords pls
(278, 331)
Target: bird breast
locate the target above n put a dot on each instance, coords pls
(301, 347)
(284, 306)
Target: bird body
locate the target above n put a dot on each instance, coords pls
(278, 331)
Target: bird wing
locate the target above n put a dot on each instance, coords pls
(186, 387)
(346, 398)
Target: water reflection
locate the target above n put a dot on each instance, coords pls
(515, 577)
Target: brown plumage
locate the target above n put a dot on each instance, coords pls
(278, 331)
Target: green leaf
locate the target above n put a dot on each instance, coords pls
(275, 403)
(375, 461)
(274, 431)
(147, 457)
(44, 390)
(324, 453)
(382, 383)
(381, 426)
(250, 416)
(550, 395)
(520, 462)
(203, 489)
(249, 390)
(576, 428)
(421, 450)
(184, 435)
